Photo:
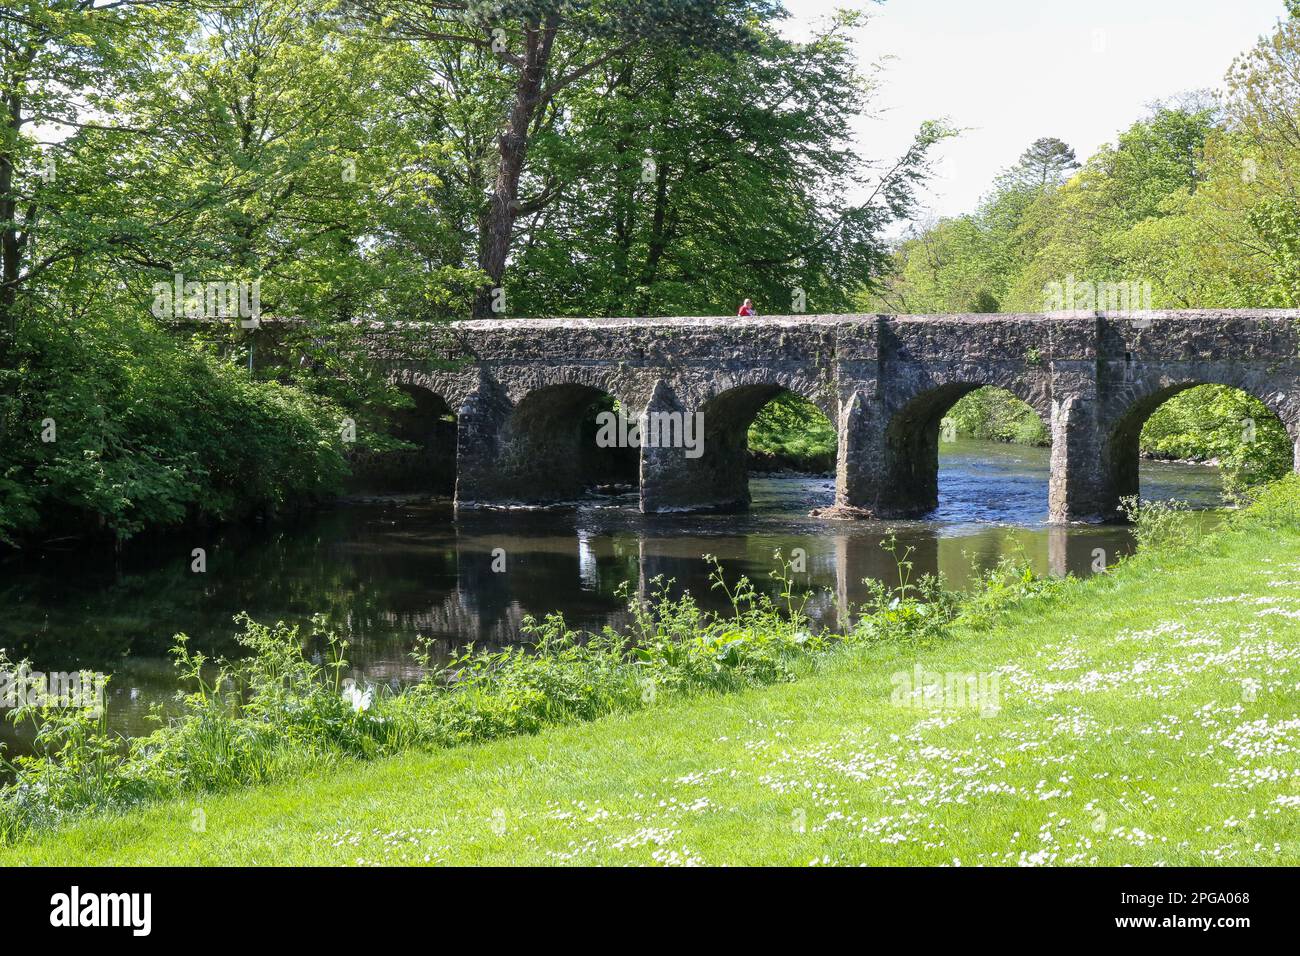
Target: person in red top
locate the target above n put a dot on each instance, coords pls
(747, 308)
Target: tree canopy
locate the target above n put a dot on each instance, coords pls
(1192, 206)
(322, 162)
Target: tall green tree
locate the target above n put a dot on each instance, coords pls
(1045, 163)
(278, 155)
(707, 177)
(1263, 107)
(540, 52)
(62, 63)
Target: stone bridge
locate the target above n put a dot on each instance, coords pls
(519, 389)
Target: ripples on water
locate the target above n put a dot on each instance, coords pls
(385, 573)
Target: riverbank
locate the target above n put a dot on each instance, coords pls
(395, 573)
(1145, 716)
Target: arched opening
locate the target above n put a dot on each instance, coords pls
(426, 424)
(1196, 442)
(764, 428)
(791, 434)
(970, 448)
(609, 465)
(564, 441)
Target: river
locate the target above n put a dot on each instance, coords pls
(389, 572)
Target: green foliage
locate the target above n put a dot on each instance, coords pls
(1158, 157)
(1162, 527)
(923, 611)
(119, 425)
(1047, 162)
(700, 179)
(914, 610)
(1250, 444)
(1271, 507)
(78, 770)
(1159, 525)
(994, 414)
(793, 428)
(224, 148)
(967, 263)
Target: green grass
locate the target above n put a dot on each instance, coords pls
(1128, 732)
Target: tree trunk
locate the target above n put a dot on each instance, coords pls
(658, 243)
(497, 222)
(660, 228)
(627, 173)
(11, 248)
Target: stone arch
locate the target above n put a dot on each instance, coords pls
(1033, 386)
(544, 454)
(912, 433)
(714, 473)
(1145, 396)
(451, 387)
(755, 381)
(1136, 402)
(428, 424)
(520, 384)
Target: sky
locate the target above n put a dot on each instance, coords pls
(1011, 71)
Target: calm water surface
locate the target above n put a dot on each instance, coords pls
(389, 573)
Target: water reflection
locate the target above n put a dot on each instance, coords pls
(388, 573)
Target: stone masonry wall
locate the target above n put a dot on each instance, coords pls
(520, 387)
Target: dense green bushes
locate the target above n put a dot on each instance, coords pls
(117, 427)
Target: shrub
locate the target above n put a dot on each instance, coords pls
(1274, 506)
(1160, 524)
(148, 432)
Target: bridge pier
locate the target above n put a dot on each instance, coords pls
(710, 470)
(1082, 486)
(668, 481)
(717, 481)
(869, 470)
(478, 430)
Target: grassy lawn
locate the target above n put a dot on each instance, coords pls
(1148, 717)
